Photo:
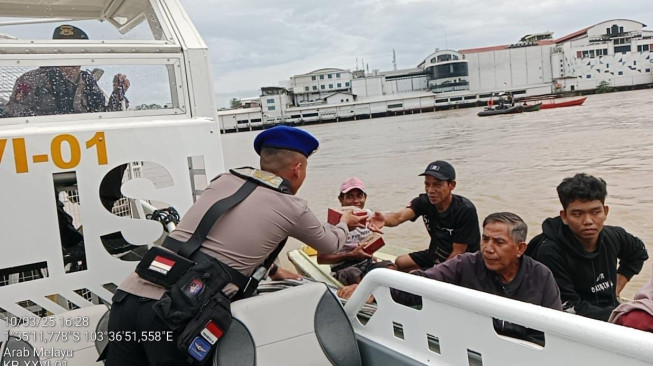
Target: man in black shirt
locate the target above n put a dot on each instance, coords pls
(450, 220)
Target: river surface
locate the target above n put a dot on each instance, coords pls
(503, 163)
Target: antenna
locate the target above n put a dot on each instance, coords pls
(356, 63)
(394, 60)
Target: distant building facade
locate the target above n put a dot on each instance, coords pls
(616, 52)
(311, 88)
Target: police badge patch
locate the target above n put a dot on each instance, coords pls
(194, 287)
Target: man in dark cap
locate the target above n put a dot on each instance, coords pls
(450, 220)
(242, 238)
(63, 89)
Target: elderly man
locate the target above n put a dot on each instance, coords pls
(499, 268)
(241, 239)
(450, 219)
(582, 252)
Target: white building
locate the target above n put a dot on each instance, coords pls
(447, 71)
(313, 87)
(274, 103)
(616, 51)
(389, 82)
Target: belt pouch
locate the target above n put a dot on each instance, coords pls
(190, 293)
(162, 266)
(199, 337)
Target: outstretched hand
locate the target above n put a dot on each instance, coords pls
(352, 220)
(121, 81)
(359, 253)
(284, 274)
(347, 291)
(376, 222)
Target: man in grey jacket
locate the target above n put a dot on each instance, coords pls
(499, 268)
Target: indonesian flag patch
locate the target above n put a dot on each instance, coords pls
(161, 264)
(211, 332)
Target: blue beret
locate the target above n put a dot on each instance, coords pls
(287, 138)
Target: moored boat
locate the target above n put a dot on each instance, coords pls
(498, 110)
(552, 103)
(532, 107)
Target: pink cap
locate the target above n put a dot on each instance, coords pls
(352, 183)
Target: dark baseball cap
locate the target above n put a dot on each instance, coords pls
(67, 31)
(441, 170)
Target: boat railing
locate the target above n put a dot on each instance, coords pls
(454, 326)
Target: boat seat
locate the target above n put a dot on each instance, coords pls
(303, 325)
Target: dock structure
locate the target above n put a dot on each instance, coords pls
(614, 52)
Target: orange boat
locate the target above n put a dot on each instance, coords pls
(570, 103)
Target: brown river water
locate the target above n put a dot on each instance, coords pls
(503, 163)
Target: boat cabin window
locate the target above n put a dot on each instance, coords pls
(57, 88)
(60, 57)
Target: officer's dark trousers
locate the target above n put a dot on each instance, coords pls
(131, 316)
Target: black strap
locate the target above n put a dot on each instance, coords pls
(252, 284)
(210, 218)
(189, 249)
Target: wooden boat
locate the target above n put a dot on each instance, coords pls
(569, 103)
(532, 107)
(498, 110)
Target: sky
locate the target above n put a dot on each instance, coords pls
(255, 43)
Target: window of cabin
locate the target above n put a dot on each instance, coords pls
(39, 89)
(27, 84)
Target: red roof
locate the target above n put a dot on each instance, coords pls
(572, 35)
(539, 43)
(484, 49)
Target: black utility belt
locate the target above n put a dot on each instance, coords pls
(163, 267)
(194, 306)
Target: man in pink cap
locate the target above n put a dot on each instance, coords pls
(351, 263)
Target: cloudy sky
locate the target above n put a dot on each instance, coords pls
(256, 43)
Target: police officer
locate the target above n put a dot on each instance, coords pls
(242, 238)
(63, 89)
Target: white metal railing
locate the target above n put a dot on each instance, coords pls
(461, 320)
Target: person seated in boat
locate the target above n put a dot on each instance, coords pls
(499, 268)
(582, 252)
(451, 220)
(352, 263)
(502, 102)
(243, 238)
(52, 90)
(638, 313)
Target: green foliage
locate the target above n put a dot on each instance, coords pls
(604, 87)
(234, 103)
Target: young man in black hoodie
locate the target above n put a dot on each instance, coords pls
(582, 253)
